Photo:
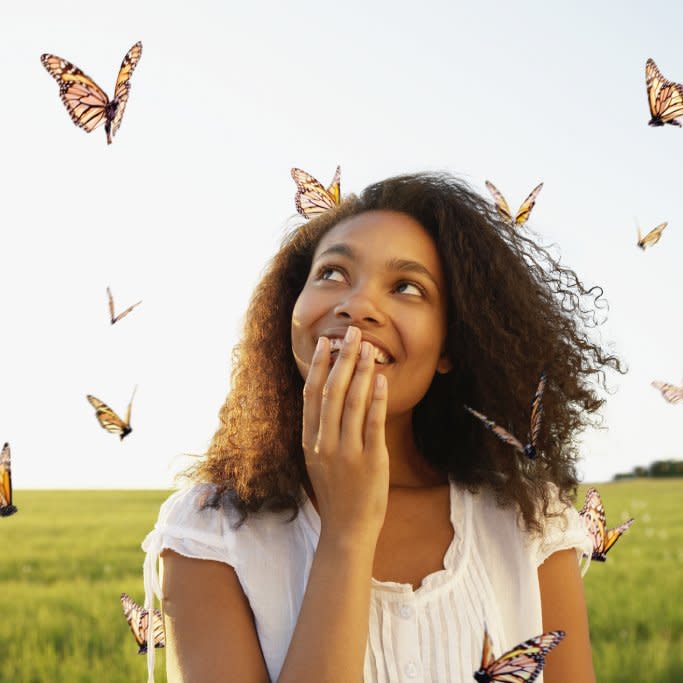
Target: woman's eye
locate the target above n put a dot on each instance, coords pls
(410, 284)
(325, 269)
(330, 269)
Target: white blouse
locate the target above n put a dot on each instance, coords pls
(434, 633)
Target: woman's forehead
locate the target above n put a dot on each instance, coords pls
(389, 230)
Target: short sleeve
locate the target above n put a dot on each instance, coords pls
(562, 531)
(183, 525)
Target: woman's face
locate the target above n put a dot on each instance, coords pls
(353, 282)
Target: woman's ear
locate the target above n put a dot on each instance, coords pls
(444, 365)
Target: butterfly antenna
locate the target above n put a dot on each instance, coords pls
(130, 403)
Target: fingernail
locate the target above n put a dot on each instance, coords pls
(350, 334)
(321, 344)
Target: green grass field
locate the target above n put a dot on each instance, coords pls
(67, 556)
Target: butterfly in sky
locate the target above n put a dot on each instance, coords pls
(116, 318)
(87, 104)
(670, 392)
(109, 419)
(593, 514)
(522, 664)
(138, 620)
(664, 97)
(522, 214)
(7, 507)
(311, 197)
(652, 237)
(536, 413)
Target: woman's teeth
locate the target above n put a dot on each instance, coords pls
(380, 357)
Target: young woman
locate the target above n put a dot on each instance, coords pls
(412, 528)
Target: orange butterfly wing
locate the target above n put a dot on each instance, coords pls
(537, 410)
(664, 97)
(85, 101)
(501, 204)
(112, 315)
(527, 205)
(138, 620)
(613, 535)
(6, 482)
(652, 237)
(122, 88)
(501, 433)
(670, 392)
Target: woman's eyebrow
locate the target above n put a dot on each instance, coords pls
(395, 264)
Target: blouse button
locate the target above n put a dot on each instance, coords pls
(406, 612)
(411, 669)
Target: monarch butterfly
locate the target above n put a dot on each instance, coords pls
(522, 664)
(138, 620)
(522, 214)
(593, 514)
(311, 197)
(536, 413)
(670, 392)
(664, 97)
(109, 419)
(652, 237)
(7, 507)
(87, 104)
(113, 318)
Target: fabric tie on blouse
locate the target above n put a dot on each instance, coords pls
(152, 546)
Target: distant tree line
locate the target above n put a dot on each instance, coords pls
(659, 468)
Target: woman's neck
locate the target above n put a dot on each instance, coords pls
(408, 468)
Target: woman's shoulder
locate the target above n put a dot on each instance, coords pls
(198, 514)
(190, 508)
(561, 526)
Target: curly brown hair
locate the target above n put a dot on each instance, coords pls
(513, 312)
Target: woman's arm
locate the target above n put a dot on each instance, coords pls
(210, 632)
(564, 607)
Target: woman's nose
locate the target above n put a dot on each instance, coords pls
(359, 305)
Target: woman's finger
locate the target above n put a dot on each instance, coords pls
(334, 393)
(375, 437)
(356, 403)
(316, 378)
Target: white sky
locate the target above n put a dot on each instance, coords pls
(191, 200)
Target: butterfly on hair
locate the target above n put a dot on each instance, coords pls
(524, 210)
(311, 198)
(528, 449)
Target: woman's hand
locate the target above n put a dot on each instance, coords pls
(344, 442)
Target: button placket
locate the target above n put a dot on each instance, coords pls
(410, 669)
(406, 611)
(409, 661)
